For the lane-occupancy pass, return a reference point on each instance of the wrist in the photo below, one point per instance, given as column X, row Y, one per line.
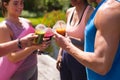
column 69, row 46
column 19, row 44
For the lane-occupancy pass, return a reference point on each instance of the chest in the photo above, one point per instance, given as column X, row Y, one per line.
column 16, row 30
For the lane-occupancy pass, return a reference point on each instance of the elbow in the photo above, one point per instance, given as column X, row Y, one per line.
column 13, row 60
column 103, row 70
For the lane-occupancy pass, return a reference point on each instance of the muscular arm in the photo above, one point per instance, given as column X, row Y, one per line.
column 107, row 36
column 106, row 41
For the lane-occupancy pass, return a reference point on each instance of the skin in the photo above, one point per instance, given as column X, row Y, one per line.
column 79, row 7
column 12, row 45
column 14, row 9
column 107, row 22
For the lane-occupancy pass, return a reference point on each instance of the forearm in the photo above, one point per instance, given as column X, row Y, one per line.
column 20, row 55
column 88, row 59
column 11, row 46
column 60, row 52
column 8, row 47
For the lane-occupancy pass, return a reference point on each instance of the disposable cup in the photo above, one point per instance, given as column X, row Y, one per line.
column 40, row 30
column 60, row 27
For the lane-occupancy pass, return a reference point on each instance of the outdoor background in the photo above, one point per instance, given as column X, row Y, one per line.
column 45, row 12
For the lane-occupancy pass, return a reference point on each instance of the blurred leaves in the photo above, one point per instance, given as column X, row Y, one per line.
column 46, row 5
column 49, row 19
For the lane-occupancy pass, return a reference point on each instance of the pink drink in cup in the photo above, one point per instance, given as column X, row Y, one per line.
column 48, row 33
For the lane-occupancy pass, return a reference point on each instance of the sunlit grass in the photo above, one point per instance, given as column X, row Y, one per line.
column 48, row 19
column 34, row 21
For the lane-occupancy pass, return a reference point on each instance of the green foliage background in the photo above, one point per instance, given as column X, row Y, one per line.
column 44, row 11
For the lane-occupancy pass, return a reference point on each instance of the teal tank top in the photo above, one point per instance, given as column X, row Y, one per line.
column 90, row 32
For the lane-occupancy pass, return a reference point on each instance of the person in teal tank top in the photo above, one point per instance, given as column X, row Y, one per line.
column 101, row 54
column 90, row 33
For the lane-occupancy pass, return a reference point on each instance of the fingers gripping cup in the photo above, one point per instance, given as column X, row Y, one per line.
column 60, row 27
column 40, row 30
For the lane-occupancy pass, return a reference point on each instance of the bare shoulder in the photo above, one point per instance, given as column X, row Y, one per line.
column 107, row 19
column 69, row 10
column 3, row 26
column 89, row 12
column 108, row 15
column 4, row 30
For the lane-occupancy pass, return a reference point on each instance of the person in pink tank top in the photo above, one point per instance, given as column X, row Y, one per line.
column 21, row 64
column 77, row 16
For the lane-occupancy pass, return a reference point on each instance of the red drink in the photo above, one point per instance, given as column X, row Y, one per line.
column 48, row 33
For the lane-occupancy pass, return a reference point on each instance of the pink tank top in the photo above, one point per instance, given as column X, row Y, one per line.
column 77, row 31
column 7, row 68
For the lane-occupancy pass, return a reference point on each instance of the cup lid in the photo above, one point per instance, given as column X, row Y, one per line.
column 40, row 27
column 59, row 24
